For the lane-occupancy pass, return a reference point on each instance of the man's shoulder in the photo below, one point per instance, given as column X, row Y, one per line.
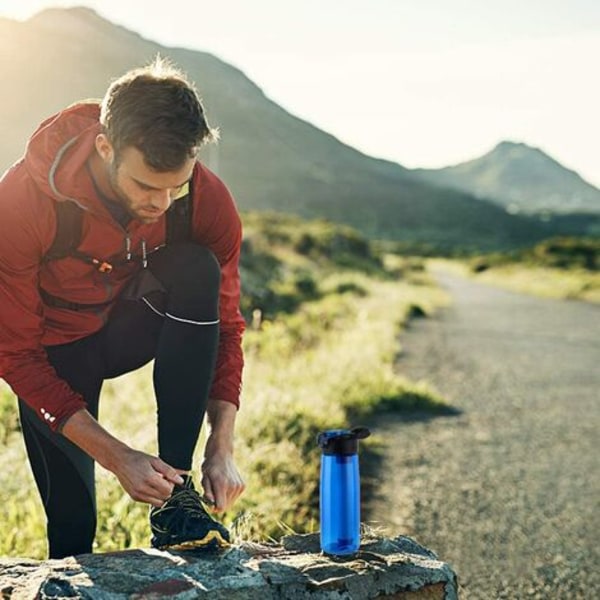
column 207, row 181
column 17, row 187
column 27, row 216
column 215, row 213
column 211, row 194
column 52, row 133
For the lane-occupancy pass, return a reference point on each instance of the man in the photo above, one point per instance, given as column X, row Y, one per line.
column 119, row 298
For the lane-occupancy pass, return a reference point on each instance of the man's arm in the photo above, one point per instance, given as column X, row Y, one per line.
column 144, row 477
column 221, row 480
column 217, row 225
column 27, row 225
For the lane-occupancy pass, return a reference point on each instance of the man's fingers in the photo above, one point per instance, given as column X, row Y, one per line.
column 161, row 479
column 229, row 495
column 156, row 502
column 149, row 494
column 167, row 471
column 223, row 493
column 147, row 478
column 208, row 491
column 235, row 491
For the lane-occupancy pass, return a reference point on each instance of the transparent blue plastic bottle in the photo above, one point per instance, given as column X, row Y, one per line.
column 340, row 490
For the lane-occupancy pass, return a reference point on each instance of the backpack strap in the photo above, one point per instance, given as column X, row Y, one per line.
column 69, row 220
column 179, row 216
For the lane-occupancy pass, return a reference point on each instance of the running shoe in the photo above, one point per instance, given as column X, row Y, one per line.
column 182, row 522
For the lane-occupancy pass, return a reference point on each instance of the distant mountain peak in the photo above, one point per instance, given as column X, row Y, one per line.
column 53, row 12
column 509, row 145
column 509, row 151
column 79, row 21
column 511, row 148
column 522, row 178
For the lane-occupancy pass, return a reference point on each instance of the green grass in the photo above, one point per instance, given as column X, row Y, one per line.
column 328, row 363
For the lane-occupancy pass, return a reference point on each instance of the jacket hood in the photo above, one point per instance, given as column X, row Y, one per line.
column 58, row 150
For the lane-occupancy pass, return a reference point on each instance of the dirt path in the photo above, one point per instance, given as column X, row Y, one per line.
column 508, row 491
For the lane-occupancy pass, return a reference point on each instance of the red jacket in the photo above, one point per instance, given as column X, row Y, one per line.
column 53, row 170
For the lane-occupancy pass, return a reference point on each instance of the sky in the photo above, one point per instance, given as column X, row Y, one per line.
column 426, row 83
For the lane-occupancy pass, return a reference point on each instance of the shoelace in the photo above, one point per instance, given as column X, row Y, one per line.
column 191, row 500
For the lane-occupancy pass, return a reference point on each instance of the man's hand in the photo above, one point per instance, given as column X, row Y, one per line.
column 145, row 478
column 221, row 480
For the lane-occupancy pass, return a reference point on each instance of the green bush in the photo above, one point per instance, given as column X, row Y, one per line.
column 567, row 253
column 281, row 255
column 9, row 416
column 559, row 253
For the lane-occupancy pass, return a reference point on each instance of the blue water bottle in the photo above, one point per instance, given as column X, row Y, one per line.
column 340, row 490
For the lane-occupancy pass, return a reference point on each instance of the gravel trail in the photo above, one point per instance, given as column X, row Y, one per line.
column 508, row 491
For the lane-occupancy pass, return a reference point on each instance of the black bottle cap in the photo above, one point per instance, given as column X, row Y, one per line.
column 342, row 441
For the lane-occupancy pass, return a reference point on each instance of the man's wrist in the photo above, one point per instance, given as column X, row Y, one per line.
column 85, row 431
column 221, row 420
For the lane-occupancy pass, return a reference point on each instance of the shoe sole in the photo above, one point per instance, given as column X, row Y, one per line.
column 212, row 541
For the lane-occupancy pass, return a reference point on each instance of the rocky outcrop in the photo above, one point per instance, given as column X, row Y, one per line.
column 295, row 569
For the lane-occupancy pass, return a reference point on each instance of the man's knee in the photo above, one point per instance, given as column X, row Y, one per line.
column 185, row 263
column 191, row 275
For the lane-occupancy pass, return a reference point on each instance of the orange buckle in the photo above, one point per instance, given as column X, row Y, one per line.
column 103, row 266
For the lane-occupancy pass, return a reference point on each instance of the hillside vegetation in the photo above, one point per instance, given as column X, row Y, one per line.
column 324, row 311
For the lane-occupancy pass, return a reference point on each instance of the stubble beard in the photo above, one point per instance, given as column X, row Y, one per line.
column 124, row 199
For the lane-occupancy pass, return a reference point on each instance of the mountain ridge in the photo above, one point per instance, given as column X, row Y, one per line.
column 271, row 159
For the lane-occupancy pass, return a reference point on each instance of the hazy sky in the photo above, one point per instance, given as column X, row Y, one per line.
column 426, row 83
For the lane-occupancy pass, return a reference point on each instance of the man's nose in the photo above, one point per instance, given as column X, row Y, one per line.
column 162, row 199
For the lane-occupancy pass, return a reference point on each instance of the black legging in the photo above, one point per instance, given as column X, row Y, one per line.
column 178, row 327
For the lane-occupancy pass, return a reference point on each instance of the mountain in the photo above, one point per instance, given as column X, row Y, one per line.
column 521, row 179
column 270, row 159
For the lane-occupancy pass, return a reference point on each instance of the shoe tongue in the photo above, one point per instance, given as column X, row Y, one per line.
column 187, row 482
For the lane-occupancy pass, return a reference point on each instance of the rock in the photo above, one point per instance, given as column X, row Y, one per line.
column 295, row 569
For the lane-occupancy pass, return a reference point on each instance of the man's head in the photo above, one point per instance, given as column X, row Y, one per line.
column 153, row 124
column 156, row 110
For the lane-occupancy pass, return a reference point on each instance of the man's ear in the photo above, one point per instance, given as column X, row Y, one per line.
column 104, row 148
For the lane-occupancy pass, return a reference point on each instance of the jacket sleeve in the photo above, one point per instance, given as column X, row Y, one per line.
column 27, row 226
column 217, row 225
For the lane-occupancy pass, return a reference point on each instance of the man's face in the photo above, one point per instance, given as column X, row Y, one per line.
column 145, row 193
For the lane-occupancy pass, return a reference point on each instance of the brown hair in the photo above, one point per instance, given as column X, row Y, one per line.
column 158, row 111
